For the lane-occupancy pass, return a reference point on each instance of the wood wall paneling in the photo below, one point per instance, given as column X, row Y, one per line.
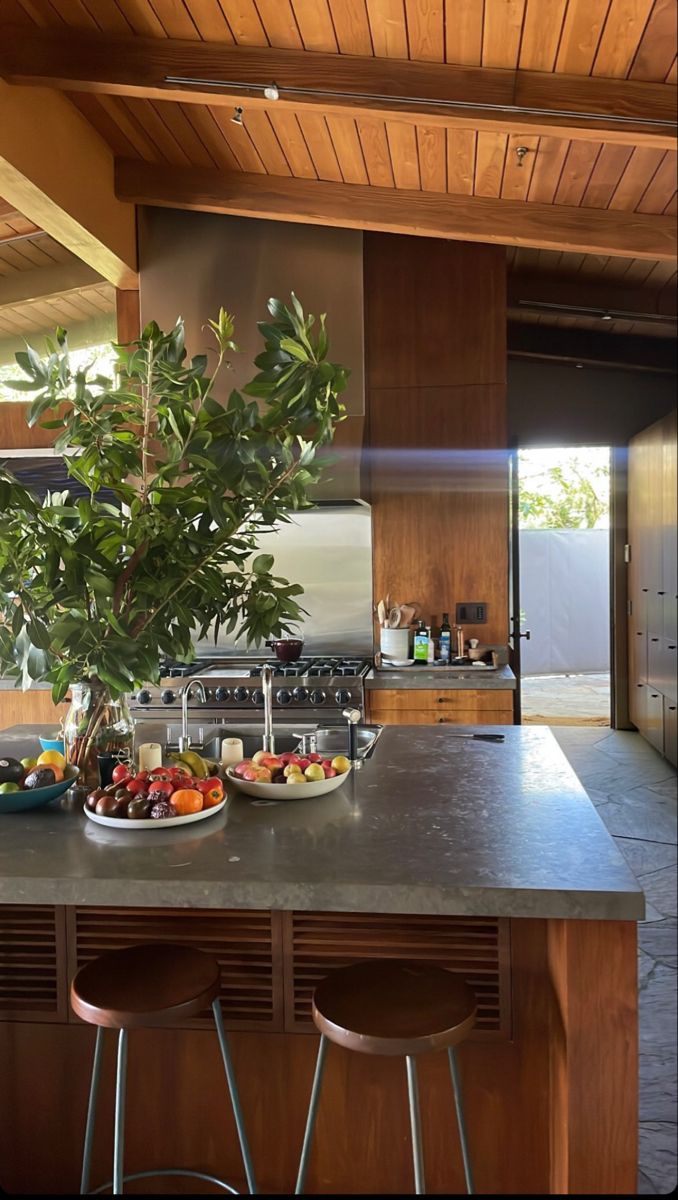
column 33, row 707
column 435, row 368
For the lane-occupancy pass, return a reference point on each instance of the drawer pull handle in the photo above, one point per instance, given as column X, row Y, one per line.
column 661, row 593
column 654, row 639
column 639, row 633
column 655, row 695
column 672, row 708
column 442, row 720
column 672, row 647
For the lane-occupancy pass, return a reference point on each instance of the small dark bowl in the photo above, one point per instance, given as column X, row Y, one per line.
column 287, row 649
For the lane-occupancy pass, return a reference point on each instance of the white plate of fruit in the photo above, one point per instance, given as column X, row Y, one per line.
column 289, row 776
column 162, row 798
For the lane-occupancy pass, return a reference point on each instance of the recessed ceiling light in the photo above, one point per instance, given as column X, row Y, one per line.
column 579, row 366
column 271, row 92
column 606, row 317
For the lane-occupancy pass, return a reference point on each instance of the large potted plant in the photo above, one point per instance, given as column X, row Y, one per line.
column 95, row 590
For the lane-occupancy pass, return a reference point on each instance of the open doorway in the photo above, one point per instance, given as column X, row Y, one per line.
column 564, row 538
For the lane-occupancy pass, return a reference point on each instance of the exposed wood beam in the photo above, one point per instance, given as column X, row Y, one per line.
column 46, row 281
column 58, row 172
column 591, row 348
column 391, row 210
column 127, row 315
column 587, row 292
column 607, row 110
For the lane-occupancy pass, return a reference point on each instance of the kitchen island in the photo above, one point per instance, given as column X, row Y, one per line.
column 486, row 858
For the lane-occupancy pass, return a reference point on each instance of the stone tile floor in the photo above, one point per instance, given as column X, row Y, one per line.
column 566, row 699
column 634, row 790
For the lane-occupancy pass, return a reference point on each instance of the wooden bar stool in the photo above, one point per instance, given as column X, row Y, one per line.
column 147, row 987
column 394, row 1008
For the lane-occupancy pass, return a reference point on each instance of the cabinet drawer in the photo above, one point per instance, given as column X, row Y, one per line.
column 458, row 700
column 654, row 725
column 670, row 622
column 662, row 664
column 435, row 716
column 638, row 705
column 671, row 730
column 637, row 653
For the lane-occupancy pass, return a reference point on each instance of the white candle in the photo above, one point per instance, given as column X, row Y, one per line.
column 150, row 756
column 231, row 752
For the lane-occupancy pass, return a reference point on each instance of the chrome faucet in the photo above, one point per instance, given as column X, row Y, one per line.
column 184, row 740
column 267, row 689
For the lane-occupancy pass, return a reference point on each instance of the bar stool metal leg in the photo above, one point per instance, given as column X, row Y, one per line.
column 92, row 1110
column 235, row 1099
column 454, row 1072
column 310, row 1120
column 119, row 1127
column 415, row 1126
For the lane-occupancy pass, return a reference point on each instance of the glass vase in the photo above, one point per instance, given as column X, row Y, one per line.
column 96, row 724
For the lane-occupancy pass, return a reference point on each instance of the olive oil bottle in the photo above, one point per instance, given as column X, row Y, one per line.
column 445, row 639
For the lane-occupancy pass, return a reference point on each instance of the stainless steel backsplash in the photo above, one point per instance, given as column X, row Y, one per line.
column 329, row 552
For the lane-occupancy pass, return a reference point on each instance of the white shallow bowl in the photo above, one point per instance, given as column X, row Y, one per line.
column 396, row 662
column 286, row 791
column 153, row 823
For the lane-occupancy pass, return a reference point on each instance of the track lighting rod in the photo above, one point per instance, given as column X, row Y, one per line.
column 409, row 101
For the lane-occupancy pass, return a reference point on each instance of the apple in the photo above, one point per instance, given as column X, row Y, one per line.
column 286, row 757
column 329, row 772
column 341, row 764
column 314, row 772
column 296, row 778
column 259, row 756
column 291, row 769
column 304, row 763
column 293, row 760
column 241, row 767
column 271, row 761
column 257, row 774
column 314, row 758
column 263, row 775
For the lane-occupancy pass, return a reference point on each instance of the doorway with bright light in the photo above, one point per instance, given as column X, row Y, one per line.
column 563, row 515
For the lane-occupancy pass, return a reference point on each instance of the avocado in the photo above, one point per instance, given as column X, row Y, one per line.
column 11, row 770
column 39, row 778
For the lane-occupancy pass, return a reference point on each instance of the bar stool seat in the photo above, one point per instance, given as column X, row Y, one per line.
column 396, row 1008
column 142, row 987
column 145, row 986
column 400, row 1009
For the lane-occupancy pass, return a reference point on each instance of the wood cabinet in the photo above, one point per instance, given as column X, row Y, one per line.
column 404, row 706
column 653, row 583
column 34, row 707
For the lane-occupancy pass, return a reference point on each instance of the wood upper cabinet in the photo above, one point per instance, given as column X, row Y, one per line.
column 404, row 706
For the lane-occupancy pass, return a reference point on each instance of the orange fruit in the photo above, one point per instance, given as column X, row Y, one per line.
column 213, row 797
column 185, row 801
column 52, row 758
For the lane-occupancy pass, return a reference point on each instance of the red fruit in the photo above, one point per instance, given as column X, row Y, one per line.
column 241, row 767
column 121, row 773
column 161, row 787
column 303, row 763
column 208, row 785
column 286, row 757
column 329, row 772
column 136, row 785
column 142, row 776
column 293, row 758
column 161, row 773
column 326, row 762
column 315, row 758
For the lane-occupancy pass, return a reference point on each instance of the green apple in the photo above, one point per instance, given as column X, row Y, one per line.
column 9, row 787
column 314, row 773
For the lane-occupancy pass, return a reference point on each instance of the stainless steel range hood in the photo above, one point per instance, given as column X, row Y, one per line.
column 191, row 264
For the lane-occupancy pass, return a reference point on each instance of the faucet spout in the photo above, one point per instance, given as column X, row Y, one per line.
column 267, row 688
column 198, row 685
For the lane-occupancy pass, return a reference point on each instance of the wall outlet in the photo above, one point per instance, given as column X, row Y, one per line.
column 474, row 613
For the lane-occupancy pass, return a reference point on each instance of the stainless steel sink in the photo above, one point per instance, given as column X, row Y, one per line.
column 327, row 740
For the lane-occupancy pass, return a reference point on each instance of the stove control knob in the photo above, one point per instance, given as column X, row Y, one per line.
column 240, row 694
column 318, row 697
column 222, row 694
column 144, row 696
column 168, row 696
column 283, row 696
column 257, row 696
column 343, row 696
column 300, row 695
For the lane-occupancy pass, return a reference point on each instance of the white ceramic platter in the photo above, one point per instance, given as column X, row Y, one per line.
column 151, row 822
column 397, row 662
column 286, row 791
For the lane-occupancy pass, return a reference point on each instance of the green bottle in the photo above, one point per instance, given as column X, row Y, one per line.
column 421, row 643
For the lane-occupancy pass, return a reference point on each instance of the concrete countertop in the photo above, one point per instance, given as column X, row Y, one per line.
column 432, row 824
column 438, row 679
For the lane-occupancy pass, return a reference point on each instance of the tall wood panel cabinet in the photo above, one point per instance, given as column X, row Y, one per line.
column 653, row 585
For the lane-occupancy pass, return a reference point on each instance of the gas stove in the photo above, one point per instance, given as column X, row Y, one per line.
column 304, row 688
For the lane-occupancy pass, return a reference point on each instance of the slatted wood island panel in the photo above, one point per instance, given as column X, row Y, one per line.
column 514, row 1068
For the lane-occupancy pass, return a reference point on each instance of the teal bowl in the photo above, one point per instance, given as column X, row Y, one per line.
column 14, row 802
column 52, row 744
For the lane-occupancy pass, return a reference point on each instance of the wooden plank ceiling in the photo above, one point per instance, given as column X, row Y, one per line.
column 85, row 304
column 631, row 40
